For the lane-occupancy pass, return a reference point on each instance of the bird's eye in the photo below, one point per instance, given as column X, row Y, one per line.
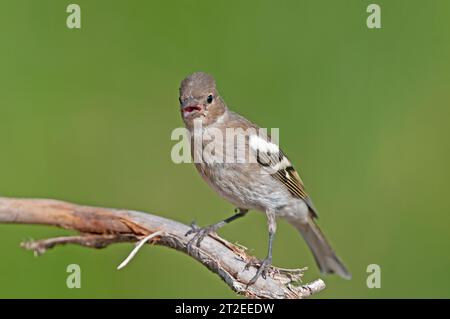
column 209, row 99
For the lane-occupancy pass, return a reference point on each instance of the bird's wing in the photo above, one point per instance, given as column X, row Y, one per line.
column 273, row 160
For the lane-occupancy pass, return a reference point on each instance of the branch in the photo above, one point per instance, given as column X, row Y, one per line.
column 100, row 227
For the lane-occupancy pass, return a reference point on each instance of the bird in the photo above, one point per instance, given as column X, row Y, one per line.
column 257, row 176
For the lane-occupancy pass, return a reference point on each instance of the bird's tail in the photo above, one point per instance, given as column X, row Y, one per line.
column 324, row 255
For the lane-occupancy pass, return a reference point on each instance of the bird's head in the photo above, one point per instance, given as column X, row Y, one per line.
column 199, row 99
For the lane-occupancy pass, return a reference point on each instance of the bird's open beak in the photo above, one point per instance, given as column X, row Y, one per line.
column 191, row 106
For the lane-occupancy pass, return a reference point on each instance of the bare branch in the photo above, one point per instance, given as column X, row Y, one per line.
column 136, row 249
column 100, row 227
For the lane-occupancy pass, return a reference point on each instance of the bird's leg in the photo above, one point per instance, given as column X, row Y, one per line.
column 264, row 265
column 201, row 233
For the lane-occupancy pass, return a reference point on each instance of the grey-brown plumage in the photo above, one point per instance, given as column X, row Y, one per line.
column 260, row 178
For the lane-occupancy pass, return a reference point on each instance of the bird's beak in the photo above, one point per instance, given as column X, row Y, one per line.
column 191, row 106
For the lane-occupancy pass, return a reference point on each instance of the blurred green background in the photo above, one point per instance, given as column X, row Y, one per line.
column 86, row 116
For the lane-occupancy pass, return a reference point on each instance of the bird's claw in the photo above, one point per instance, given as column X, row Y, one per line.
column 252, row 262
column 263, row 268
column 200, row 234
column 194, row 228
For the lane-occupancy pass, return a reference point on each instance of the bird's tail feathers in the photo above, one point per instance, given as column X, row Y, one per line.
column 324, row 255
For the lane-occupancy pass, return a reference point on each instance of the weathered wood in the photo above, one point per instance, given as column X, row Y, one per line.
column 100, row 227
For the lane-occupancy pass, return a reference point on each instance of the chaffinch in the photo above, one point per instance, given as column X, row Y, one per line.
column 252, row 175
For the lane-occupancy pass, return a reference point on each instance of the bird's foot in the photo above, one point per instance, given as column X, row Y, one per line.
column 200, row 234
column 263, row 268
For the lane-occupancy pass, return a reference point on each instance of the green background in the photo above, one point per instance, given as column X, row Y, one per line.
column 86, row 116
